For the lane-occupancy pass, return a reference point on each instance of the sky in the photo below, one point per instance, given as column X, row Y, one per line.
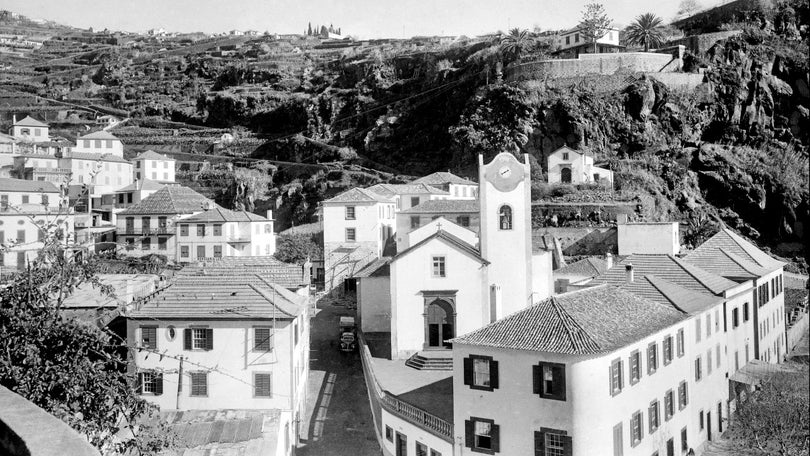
column 360, row 18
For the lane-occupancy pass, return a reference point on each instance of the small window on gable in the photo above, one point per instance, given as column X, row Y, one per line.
column 565, row 155
column 505, row 217
column 439, row 266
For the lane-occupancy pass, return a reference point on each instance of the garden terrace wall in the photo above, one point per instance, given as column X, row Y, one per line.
column 602, row 64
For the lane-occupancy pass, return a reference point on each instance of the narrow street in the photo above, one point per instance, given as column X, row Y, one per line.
column 338, row 418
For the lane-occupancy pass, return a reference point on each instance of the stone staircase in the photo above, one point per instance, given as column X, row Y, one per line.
column 431, row 360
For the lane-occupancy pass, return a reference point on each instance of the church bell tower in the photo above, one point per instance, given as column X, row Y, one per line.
column 506, row 232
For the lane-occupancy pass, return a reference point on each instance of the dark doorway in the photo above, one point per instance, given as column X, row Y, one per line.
column 719, row 417
column 439, row 320
column 402, row 445
column 565, row 175
column 709, row 426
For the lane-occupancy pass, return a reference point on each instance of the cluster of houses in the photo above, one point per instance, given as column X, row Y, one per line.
column 101, row 200
column 460, row 313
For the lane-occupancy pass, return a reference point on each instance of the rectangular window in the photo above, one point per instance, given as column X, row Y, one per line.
column 20, row 236
column 149, row 337
column 217, row 251
column 667, row 350
column 652, row 358
column 698, row 369
column 669, row 405
column 183, row 230
column 745, row 312
column 616, row 380
column 697, row 329
column 263, row 384
column 636, row 429
column 146, row 243
column 551, row 442
column 463, row 220
column 549, row 380
column 218, row 229
column 709, row 362
column 414, row 201
column 162, row 243
column 684, row 444
column 481, row 372
column 717, row 320
column 350, row 213
column 482, row 434
column 262, row 339
column 200, row 252
column 439, row 266
column 701, row 423
column 151, row 383
column 184, row 251
column 718, row 355
column 683, row 395
column 389, row 433
column 635, row 367
column 414, row 222
column 351, row 235
column 708, row 325
column 680, row 343
column 199, row 383
column 654, row 416
column 199, row 338
column 200, row 230
column 735, row 318
column 421, row 449
column 25, row 199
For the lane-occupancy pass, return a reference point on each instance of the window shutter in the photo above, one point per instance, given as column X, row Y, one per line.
column 468, row 371
column 621, row 374
column 537, row 379
column 610, row 379
column 496, row 438
column 187, row 339
column 493, row 374
column 559, row 382
column 539, row 443
column 158, row 384
column 139, row 387
column 568, row 448
column 469, row 437
column 209, row 338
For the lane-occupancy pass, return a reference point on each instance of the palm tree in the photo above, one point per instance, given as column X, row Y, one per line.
column 646, row 31
column 516, row 42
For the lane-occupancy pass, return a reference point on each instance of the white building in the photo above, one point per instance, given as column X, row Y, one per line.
column 29, row 129
column 573, row 42
column 649, row 237
column 154, row 166
column 100, row 142
column 105, row 172
column 124, row 197
column 457, row 187
column 30, row 211
column 464, row 213
column 568, row 166
column 218, row 232
column 244, row 346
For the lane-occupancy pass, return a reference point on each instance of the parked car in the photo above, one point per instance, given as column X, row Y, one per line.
column 348, row 334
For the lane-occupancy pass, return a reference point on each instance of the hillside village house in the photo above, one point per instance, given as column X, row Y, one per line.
column 154, row 166
column 26, row 209
column 568, row 166
column 457, row 187
column 572, row 42
column 29, row 129
column 100, row 142
column 236, row 342
column 39, row 167
column 124, row 197
column 218, row 232
column 106, row 172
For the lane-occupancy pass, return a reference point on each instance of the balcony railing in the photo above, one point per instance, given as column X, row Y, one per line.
column 432, row 423
column 156, row 231
column 237, row 238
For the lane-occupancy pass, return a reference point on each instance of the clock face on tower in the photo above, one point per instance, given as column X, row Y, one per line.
column 505, row 172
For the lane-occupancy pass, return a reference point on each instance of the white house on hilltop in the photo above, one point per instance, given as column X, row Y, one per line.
column 568, row 166
column 154, row 166
column 100, row 142
column 30, row 129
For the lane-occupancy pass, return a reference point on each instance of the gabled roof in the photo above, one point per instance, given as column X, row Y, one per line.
column 101, row 134
column 670, row 269
column 589, row 267
column 141, row 184
column 216, row 297
column 446, row 206
column 377, row 268
column 588, row 321
column 730, row 255
column 8, row 184
column 443, row 177
column 667, row 293
column 358, row 195
column 220, row 214
column 587, row 153
column 171, row 199
column 95, row 157
column 267, row 268
column 389, row 190
column 450, row 240
column 29, row 121
column 152, row 155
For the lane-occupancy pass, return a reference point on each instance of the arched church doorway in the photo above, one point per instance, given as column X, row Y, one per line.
column 565, row 175
column 439, row 324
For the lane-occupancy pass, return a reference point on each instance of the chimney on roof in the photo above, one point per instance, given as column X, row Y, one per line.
column 609, row 260
column 269, row 214
column 628, row 271
column 562, row 285
column 13, row 119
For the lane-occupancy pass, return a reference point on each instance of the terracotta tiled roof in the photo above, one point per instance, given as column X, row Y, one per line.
column 450, row 240
column 142, row 184
column 358, row 195
column 443, row 177
column 170, row 199
column 670, row 269
column 444, row 207
column 94, row 157
column 214, row 297
column 29, row 121
column 8, row 184
column 152, row 155
column 589, row 267
column 661, row 291
column 265, row 267
column 101, row 134
column 593, row 320
column 220, row 214
column 730, row 255
column 389, row 190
